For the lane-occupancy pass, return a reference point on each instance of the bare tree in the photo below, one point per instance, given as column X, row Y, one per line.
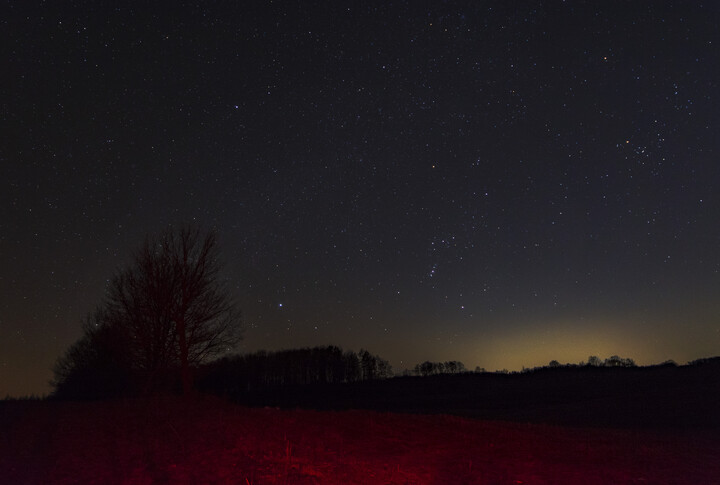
column 172, row 305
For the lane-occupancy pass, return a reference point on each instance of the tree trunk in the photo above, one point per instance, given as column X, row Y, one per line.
column 184, row 364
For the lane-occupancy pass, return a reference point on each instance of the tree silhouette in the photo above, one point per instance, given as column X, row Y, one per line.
column 166, row 310
column 242, row 375
column 615, row 361
column 424, row 369
column 172, row 304
column 373, row 367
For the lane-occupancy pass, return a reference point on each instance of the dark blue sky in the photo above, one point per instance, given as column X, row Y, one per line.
column 493, row 182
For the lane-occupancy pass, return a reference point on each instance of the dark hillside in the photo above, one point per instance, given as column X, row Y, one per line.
column 658, row 396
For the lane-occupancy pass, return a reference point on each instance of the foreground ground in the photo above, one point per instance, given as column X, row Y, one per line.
column 166, row 440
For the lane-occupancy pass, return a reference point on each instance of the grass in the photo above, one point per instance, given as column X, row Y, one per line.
column 206, row 440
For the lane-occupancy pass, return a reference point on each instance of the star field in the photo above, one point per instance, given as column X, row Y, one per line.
column 501, row 184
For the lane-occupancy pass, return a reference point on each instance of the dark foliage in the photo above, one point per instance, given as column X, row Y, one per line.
column 706, row 361
column 243, row 375
column 97, row 366
column 428, row 368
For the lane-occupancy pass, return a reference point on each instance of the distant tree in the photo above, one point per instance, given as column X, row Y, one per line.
column 425, row 369
column 554, row 363
column 384, row 369
column 594, row 361
column 334, row 363
column 373, row 367
column 453, row 367
column 367, row 365
column 615, row 361
column 352, row 367
column 428, row 368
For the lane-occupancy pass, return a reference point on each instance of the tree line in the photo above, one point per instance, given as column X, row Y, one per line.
column 259, row 371
column 428, row 368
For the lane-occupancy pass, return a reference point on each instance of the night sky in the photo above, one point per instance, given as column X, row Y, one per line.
column 501, row 183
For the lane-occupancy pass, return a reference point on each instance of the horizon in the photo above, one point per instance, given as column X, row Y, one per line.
column 400, row 372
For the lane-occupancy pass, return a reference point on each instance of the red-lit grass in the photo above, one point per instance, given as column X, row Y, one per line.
column 209, row 441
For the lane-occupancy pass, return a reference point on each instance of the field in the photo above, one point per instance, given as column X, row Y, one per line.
column 208, row 440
